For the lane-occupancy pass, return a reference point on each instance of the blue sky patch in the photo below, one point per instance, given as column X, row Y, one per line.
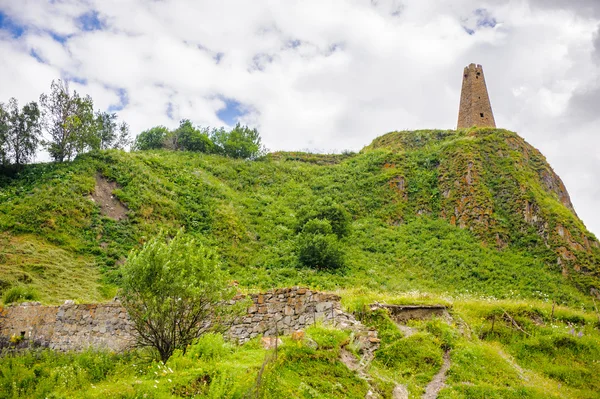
column 90, row 21
column 479, row 19
column 7, row 24
column 35, row 55
column 485, row 19
column 170, row 110
column 62, row 39
column 231, row 113
column 123, row 101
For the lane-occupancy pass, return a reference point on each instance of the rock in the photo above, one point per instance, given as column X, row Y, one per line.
column 311, row 343
column 400, row 392
column 298, row 335
column 270, row 342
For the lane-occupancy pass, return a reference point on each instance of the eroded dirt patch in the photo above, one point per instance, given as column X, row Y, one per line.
column 110, row 206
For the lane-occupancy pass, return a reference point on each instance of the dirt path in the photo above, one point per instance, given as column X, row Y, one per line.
column 439, row 380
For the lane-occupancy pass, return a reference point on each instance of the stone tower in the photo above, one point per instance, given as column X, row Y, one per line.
column 475, row 107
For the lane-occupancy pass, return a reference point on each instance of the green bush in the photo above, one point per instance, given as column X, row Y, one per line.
column 326, row 209
column 320, row 251
column 19, row 294
column 170, row 289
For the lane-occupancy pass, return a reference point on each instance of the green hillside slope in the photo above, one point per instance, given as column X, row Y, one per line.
column 472, row 211
column 474, row 219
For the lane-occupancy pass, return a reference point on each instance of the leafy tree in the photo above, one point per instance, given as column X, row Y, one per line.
column 20, row 132
column 172, row 291
column 318, row 248
column 241, row 142
column 151, row 139
column 109, row 133
column 69, row 121
column 326, row 209
column 4, row 127
column 190, row 138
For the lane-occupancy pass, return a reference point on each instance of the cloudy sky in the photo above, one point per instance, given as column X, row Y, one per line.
column 324, row 75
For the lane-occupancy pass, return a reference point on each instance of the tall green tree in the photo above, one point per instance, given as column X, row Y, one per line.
column 4, row 126
column 172, row 291
column 191, row 138
column 240, row 142
column 20, row 131
column 110, row 133
column 151, row 139
column 69, row 120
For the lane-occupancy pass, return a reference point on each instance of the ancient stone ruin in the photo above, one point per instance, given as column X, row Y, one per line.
column 107, row 326
column 475, row 107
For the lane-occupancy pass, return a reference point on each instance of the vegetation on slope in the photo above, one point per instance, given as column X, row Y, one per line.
column 408, row 196
column 475, row 219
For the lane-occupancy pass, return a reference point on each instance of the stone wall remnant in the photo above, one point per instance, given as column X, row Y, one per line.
column 107, row 326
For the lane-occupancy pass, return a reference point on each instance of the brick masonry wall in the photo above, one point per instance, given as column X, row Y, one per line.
column 107, row 326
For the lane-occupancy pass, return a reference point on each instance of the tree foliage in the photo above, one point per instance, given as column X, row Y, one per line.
column 20, row 132
column 191, row 138
column 172, row 291
column 69, row 121
column 151, row 139
column 240, row 142
column 109, row 133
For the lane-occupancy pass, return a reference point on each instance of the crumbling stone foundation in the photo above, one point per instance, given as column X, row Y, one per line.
column 107, row 326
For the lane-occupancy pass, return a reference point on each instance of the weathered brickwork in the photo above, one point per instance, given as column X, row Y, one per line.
column 475, row 107
column 107, row 326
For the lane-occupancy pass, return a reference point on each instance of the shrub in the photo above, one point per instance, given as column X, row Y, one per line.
column 320, row 251
column 19, row 294
column 171, row 290
column 326, row 209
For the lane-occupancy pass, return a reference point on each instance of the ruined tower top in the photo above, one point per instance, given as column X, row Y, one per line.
column 475, row 107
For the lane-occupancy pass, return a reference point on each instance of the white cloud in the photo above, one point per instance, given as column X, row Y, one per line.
column 328, row 75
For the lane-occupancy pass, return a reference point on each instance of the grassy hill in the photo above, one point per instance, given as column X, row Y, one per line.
column 475, row 219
